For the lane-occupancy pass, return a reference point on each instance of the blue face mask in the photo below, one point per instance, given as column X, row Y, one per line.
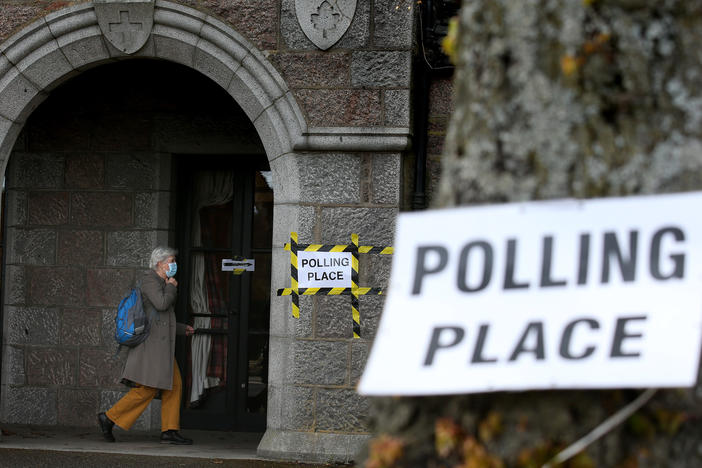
column 172, row 269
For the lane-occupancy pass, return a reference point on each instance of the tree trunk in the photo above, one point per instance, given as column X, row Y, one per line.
column 562, row 98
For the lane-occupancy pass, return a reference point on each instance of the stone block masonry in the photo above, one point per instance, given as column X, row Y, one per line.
column 342, row 107
column 75, row 406
column 74, row 250
column 258, row 20
column 342, row 194
column 363, row 80
column 15, row 15
column 89, row 192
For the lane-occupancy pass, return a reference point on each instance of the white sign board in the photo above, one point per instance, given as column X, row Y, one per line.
column 246, row 264
column 564, row 294
column 323, row 269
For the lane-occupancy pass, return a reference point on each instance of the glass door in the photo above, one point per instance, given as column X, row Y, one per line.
column 225, row 213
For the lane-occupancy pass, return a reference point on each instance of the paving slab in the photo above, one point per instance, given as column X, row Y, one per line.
column 25, row 445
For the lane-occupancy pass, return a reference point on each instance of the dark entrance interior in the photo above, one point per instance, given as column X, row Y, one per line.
column 225, row 213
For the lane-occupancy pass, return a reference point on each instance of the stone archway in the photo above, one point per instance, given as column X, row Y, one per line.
column 64, row 43
column 326, row 179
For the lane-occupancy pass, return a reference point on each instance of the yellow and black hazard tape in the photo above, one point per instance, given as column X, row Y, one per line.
column 331, row 291
column 355, row 306
column 354, row 291
column 293, row 275
column 364, row 249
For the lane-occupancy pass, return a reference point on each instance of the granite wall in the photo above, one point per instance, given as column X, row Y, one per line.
column 362, row 81
column 341, row 175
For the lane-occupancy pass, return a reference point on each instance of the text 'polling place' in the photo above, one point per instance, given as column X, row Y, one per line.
column 563, row 294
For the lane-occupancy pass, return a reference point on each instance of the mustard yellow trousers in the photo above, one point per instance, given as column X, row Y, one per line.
column 126, row 411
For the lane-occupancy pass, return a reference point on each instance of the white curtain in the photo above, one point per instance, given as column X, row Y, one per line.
column 212, row 189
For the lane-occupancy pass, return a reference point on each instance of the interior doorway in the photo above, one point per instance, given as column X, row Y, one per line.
column 225, row 211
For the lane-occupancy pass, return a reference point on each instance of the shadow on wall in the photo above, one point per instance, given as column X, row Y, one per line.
column 142, row 105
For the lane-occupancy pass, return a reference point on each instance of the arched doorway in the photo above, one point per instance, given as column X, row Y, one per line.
column 35, row 63
column 105, row 169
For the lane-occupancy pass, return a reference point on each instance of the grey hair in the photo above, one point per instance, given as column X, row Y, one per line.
column 159, row 254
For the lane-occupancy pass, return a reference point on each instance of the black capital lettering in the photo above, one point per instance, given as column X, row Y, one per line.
column 435, row 343
column 463, row 266
column 537, row 349
column 583, row 266
column 479, row 345
column 510, row 282
column 421, row 270
column 546, row 262
column 565, row 350
column 620, row 334
column 626, row 266
column 678, row 259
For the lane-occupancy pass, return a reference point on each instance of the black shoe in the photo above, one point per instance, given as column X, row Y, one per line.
column 106, row 427
column 172, row 437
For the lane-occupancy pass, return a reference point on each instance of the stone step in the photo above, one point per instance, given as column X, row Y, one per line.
column 17, row 458
column 28, row 445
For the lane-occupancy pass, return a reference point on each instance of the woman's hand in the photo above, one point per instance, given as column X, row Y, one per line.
column 189, row 330
column 172, row 281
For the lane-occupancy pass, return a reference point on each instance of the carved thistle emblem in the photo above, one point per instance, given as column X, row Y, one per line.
column 126, row 24
column 325, row 21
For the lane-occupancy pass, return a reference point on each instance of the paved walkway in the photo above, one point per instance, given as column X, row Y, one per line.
column 66, row 446
column 208, row 444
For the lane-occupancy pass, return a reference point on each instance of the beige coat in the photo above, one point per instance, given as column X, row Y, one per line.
column 151, row 362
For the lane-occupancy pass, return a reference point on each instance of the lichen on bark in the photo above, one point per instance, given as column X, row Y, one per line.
column 625, row 118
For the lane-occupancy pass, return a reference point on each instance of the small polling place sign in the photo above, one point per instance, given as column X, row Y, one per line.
column 563, row 294
column 236, row 264
column 324, row 269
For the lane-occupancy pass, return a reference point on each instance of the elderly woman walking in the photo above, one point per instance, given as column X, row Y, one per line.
column 151, row 365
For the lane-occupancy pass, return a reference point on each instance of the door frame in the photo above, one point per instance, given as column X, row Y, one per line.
column 236, row 417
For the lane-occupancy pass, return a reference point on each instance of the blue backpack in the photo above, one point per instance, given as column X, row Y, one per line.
column 132, row 325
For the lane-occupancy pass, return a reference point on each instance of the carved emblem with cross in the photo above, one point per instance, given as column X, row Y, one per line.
column 324, row 22
column 325, row 18
column 125, row 24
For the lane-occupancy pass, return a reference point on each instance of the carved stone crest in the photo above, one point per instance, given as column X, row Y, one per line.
column 325, row 21
column 126, row 24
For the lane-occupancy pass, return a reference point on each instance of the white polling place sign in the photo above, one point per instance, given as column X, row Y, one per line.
column 324, row 269
column 564, row 294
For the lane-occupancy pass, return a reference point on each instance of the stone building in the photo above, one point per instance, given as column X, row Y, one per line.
column 217, row 127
